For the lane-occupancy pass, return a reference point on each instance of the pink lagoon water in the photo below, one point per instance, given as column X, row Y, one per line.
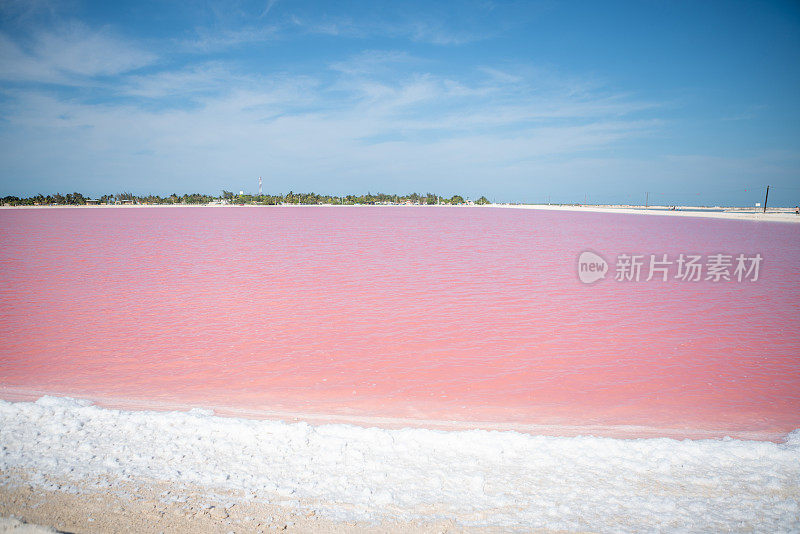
column 453, row 314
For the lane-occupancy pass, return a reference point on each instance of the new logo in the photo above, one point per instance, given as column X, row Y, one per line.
column 591, row 267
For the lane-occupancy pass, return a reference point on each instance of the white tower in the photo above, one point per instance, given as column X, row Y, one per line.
column 259, row 186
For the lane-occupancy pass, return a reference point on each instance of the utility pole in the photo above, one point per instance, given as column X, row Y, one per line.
column 765, row 200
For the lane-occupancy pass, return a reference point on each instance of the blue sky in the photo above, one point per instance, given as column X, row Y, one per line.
column 694, row 102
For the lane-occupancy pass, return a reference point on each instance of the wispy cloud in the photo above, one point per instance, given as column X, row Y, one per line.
column 355, row 121
column 268, row 7
column 413, row 30
column 439, row 34
column 231, row 26
column 373, row 62
column 68, row 54
column 24, row 11
column 208, row 40
column 188, row 83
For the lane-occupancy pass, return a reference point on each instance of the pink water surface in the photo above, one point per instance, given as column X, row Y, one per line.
column 460, row 314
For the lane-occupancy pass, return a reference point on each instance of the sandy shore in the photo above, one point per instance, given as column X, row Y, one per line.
column 9, row 525
column 110, row 505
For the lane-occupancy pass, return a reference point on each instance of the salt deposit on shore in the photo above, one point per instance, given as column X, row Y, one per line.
column 743, row 214
column 343, row 473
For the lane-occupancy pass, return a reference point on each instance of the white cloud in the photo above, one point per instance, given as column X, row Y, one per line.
column 377, row 115
column 234, row 26
column 308, row 130
column 17, row 65
column 401, row 26
column 231, row 138
column 77, row 50
column 186, row 83
column 69, row 55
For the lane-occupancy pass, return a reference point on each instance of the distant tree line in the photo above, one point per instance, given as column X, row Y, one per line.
column 77, row 199
column 74, row 199
column 228, row 197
